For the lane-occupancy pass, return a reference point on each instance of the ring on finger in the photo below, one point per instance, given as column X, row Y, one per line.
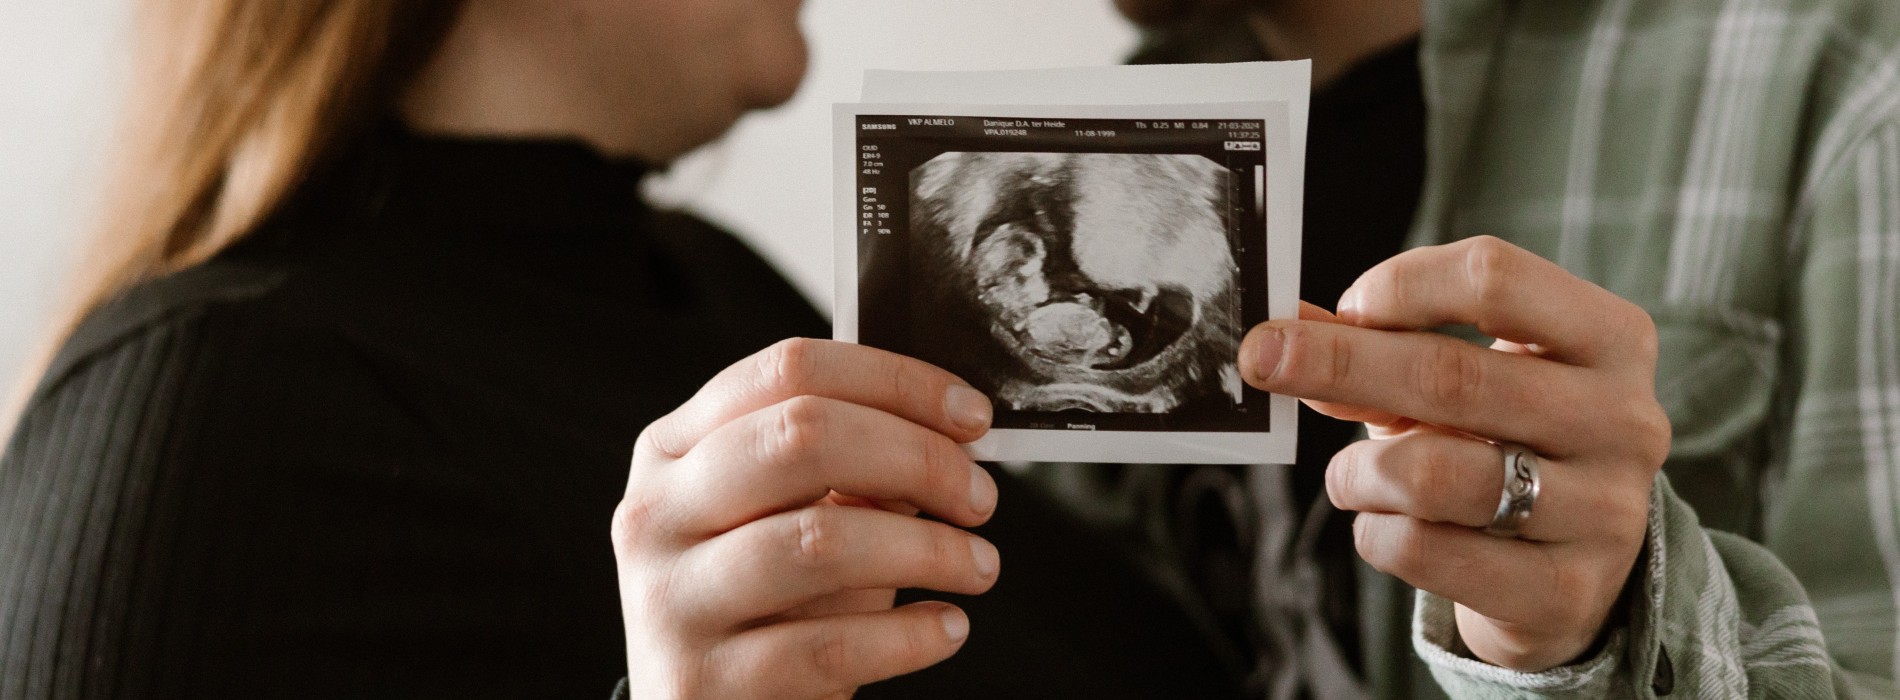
column 1521, row 486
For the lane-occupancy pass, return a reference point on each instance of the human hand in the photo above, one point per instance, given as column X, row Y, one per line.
column 768, row 521
column 1572, row 377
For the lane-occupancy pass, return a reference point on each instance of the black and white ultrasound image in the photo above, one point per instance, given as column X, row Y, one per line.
column 1079, row 290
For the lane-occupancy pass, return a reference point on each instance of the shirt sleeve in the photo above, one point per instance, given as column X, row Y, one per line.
column 172, row 519
column 81, row 528
column 1711, row 615
column 1812, row 609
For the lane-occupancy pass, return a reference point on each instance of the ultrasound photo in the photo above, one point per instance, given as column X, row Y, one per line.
column 1065, row 282
column 1091, row 269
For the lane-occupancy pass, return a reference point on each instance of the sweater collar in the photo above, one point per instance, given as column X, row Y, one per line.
column 395, row 178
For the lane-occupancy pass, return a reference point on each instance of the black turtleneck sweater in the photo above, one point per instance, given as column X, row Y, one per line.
column 373, row 450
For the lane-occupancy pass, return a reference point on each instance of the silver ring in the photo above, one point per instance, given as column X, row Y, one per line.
column 1521, row 486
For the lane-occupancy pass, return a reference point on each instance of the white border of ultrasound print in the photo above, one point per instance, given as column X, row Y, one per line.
column 1285, row 186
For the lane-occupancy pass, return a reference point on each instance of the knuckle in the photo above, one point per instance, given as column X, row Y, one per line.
column 897, row 376
column 1339, row 371
column 1656, row 435
column 940, row 470
column 649, row 442
column 818, row 533
column 943, row 557
column 631, row 519
column 1386, row 282
column 831, row 655
column 1451, row 374
column 799, row 430
column 1489, row 264
column 661, row 441
column 786, row 368
column 1644, row 335
column 1641, row 428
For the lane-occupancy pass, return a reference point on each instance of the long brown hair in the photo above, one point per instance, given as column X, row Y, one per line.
column 234, row 103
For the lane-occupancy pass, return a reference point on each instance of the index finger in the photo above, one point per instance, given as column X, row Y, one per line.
column 902, row 386
column 1431, row 378
column 1508, row 293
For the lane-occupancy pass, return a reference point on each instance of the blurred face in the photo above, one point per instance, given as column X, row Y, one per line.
column 1156, row 12
column 649, row 77
column 1147, row 12
column 706, row 62
column 725, row 55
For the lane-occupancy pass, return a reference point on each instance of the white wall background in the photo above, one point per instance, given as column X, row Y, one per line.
column 61, row 69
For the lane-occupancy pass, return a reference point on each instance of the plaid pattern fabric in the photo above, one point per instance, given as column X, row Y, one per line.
column 1734, row 167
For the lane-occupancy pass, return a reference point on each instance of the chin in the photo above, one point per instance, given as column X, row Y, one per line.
column 1153, row 12
column 777, row 75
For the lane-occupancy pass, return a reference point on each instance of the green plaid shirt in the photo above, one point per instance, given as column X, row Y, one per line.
column 1734, row 167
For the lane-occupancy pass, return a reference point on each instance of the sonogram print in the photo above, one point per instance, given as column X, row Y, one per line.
column 1090, row 282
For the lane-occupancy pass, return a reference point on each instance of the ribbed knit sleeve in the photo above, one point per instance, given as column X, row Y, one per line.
column 227, row 497
column 87, row 531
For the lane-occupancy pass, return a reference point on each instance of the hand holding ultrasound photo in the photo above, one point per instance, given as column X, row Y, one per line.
column 1091, row 267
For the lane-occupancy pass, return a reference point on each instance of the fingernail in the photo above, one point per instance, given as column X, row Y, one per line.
column 1348, row 310
column 1264, row 352
column 967, row 407
column 982, row 491
column 955, row 625
column 985, row 555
